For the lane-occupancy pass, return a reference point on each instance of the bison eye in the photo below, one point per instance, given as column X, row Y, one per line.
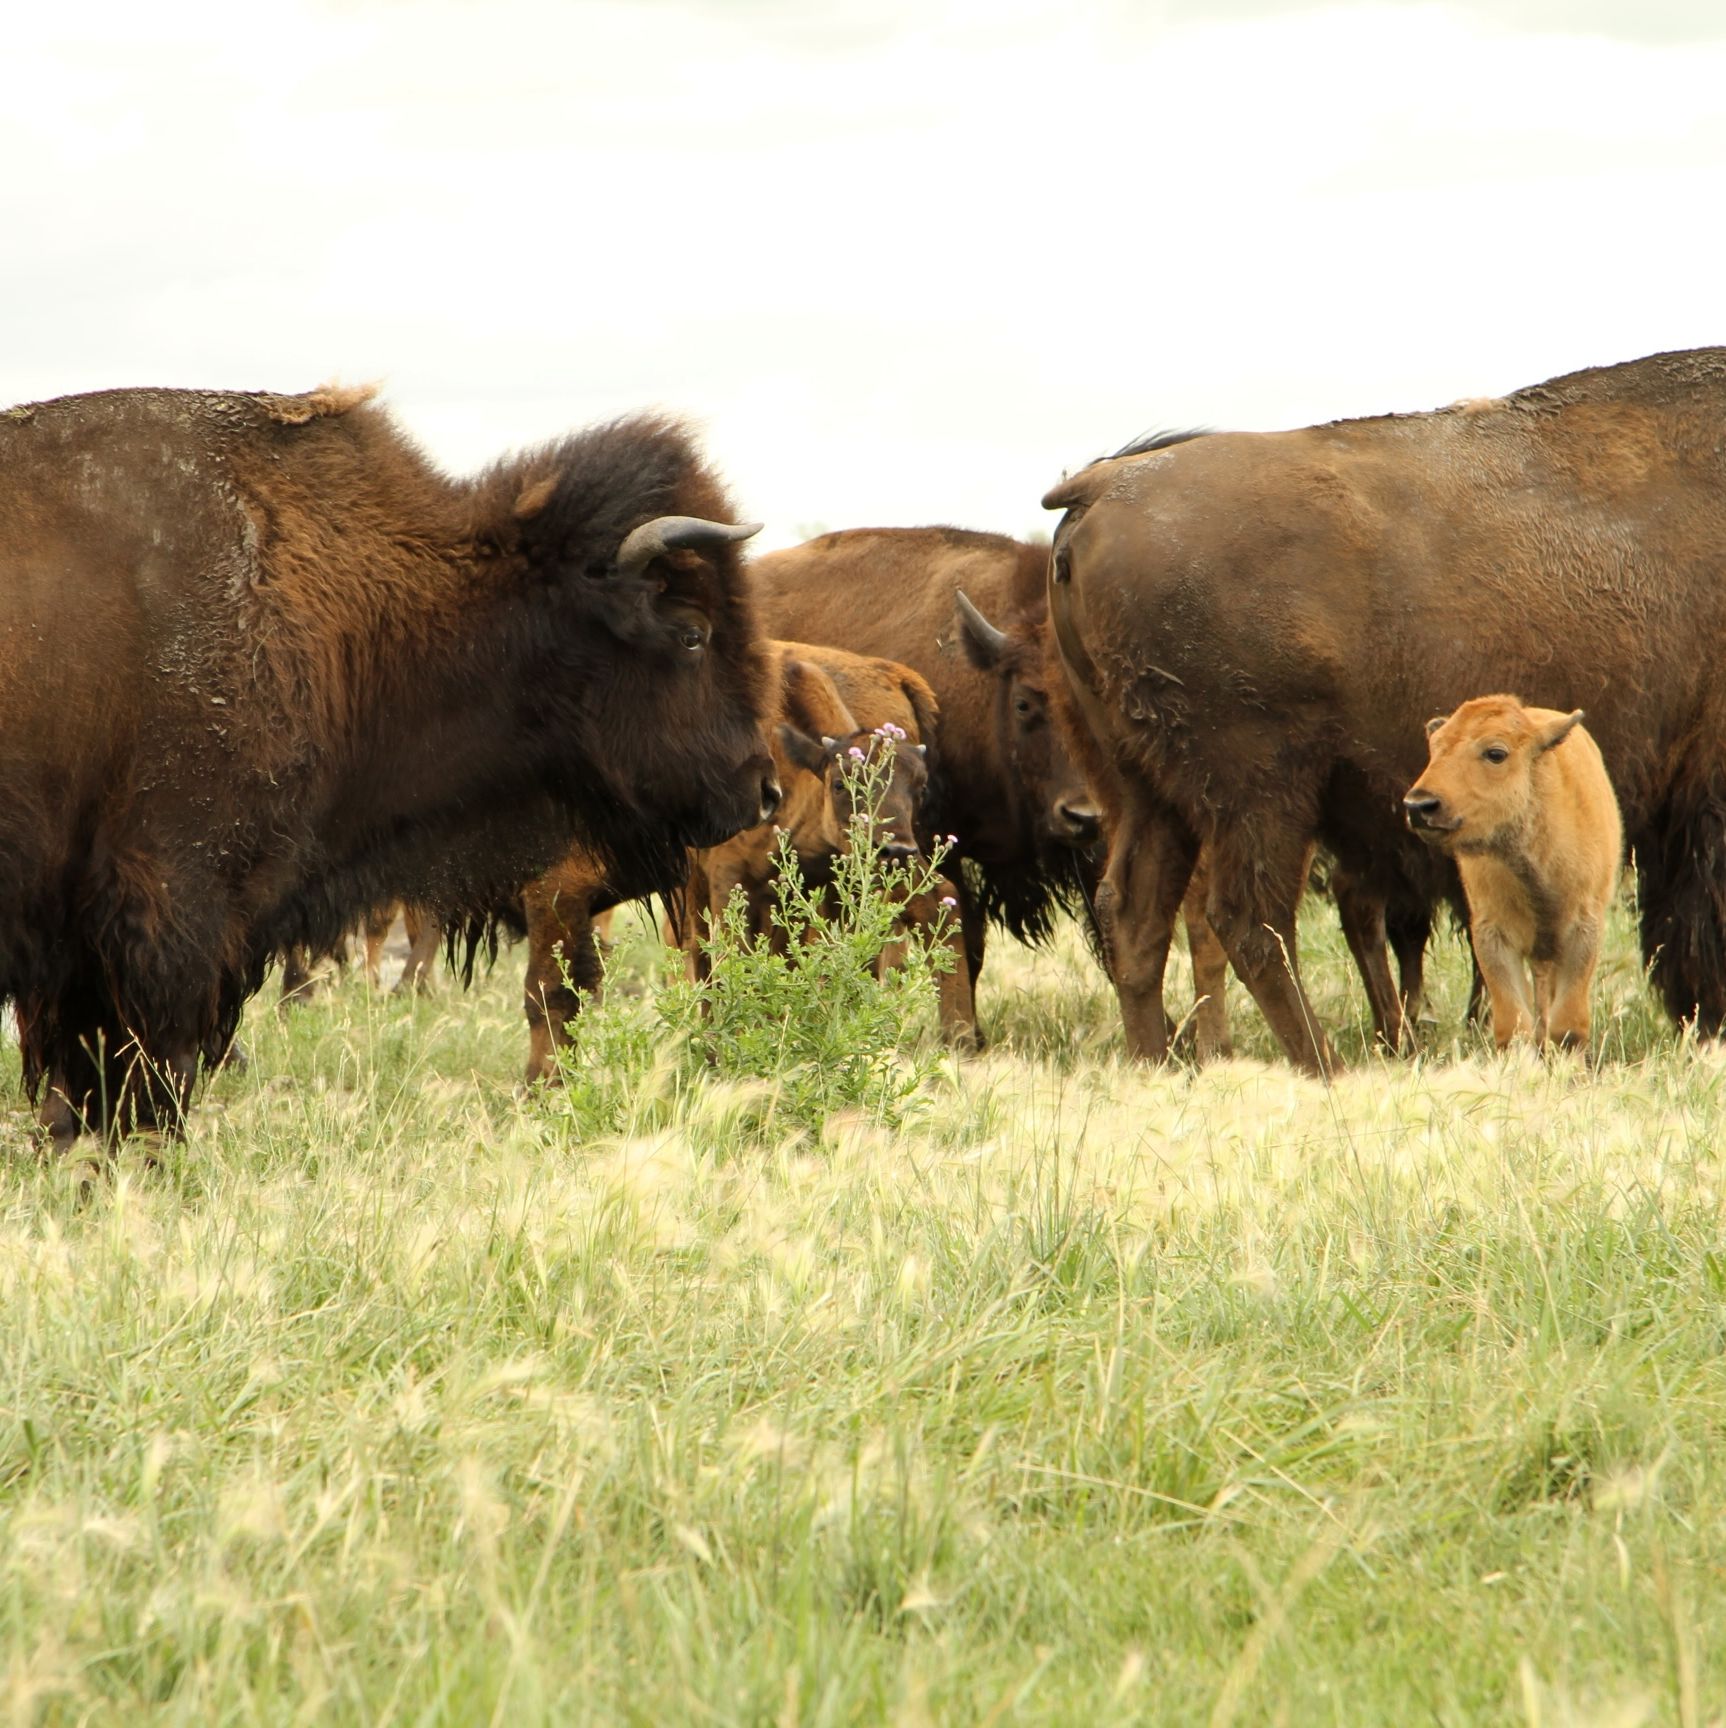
column 1022, row 706
column 1495, row 753
column 691, row 639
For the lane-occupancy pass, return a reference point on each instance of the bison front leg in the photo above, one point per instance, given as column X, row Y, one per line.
column 1408, row 926
column 57, row 1116
column 1566, row 1015
column 1501, row 965
column 1256, row 885
column 1151, row 854
column 377, row 933
column 562, row 967
column 1210, row 971
column 1362, row 916
column 932, row 915
column 973, row 926
column 298, row 983
column 423, row 932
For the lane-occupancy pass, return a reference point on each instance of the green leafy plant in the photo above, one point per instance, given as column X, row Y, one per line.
column 813, row 1010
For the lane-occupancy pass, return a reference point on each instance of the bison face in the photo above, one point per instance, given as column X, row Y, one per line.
column 898, row 769
column 895, row 770
column 1059, row 803
column 1477, row 794
column 652, row 679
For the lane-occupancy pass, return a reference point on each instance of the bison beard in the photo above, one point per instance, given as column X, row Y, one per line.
column 267, row 669
column 1254, row 629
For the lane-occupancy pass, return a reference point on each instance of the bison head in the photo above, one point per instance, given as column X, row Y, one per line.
column 648, row 681
column 1060, row 804
column 884, row 759
column 1478, row 791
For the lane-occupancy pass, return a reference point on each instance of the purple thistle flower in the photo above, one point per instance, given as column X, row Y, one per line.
column 855, row 753
column 948, row 900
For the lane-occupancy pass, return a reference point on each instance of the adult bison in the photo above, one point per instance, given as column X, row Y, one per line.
column 1255, row 627
column 1005, row 786
column 267, row 668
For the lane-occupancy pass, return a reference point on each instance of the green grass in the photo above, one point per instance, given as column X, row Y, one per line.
column 1084, row 1394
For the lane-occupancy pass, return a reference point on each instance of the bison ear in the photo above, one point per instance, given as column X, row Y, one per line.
column 534, row 497
column 802, row 751
column 921, row 749
column 1435, row 722
column 1556, row 731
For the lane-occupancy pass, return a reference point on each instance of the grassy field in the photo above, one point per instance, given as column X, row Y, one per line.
column 1084, row 1394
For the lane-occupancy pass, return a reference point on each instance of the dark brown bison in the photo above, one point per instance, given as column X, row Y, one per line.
column 1004, row 786
column 1368, row 923
column 267, row 668
column 1254, row 628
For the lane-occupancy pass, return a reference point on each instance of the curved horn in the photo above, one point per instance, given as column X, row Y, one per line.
column 666, row 533
column 979, row 626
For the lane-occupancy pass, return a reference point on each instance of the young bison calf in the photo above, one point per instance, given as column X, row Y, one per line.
column 1520, row 799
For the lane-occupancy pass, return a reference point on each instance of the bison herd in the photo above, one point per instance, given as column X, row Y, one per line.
column 269, row 671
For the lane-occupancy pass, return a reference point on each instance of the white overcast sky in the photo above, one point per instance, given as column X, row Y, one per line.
column 901, row 262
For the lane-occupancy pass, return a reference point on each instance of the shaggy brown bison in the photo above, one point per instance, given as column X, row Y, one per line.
column 1004, row 785
column 267, row 668
column 1253, row 625
column 1520, row 798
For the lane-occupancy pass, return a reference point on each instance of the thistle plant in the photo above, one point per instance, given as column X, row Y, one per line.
column 813, row 1011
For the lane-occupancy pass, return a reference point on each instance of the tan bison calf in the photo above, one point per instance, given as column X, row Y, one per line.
column 1519, row 797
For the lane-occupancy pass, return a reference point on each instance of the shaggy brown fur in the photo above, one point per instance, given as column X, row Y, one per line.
column 267, row 668
column 1246, row 621
column 1520, row 798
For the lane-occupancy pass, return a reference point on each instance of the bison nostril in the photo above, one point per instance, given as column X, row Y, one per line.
column 897, row 850
column 771, row 794
column 1080, row 821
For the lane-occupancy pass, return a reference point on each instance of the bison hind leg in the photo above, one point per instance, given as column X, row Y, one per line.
column 1681, row 886
column 1257, row 876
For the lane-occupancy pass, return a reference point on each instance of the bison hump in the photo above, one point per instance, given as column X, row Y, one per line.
column 325, row 402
